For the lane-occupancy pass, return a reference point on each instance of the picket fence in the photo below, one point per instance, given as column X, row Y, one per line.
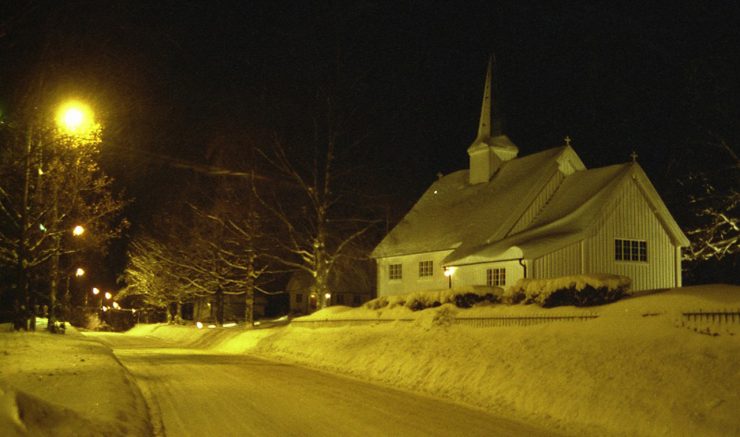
column 480, row 322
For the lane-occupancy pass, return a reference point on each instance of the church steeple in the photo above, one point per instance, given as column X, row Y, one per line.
column 484, row 125
column 490, row 147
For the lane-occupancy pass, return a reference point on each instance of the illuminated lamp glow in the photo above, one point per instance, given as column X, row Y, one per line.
column 108, row 295
column 75, row 118
column 449, row 271
column 78, row 230
column 199, row 325
column 96, row 291
column 79, row 272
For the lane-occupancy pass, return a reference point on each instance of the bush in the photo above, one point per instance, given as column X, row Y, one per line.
column 420, row 300
column 577, row 290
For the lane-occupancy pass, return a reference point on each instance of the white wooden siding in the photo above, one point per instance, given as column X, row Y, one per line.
column 566, row 261
column 475, row 274
column 539, row 202
column 410, row 280
column 630, row 217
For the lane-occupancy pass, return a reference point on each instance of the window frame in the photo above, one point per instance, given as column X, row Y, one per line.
column 395, row 268
column 496, row 277
column 426, row 269
column 631, row 250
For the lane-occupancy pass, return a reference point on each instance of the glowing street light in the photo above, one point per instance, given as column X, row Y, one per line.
column 75, row 118
column 78, row 230
column 108, row 296
column 80, row 272
column 96, row 291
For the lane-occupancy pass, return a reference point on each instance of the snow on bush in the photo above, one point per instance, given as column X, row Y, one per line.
column 460, row 297
column 577, row 290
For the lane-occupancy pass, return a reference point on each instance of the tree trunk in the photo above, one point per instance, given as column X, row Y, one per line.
column 219, row 306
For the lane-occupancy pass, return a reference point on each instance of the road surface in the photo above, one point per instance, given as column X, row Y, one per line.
column 191, row 392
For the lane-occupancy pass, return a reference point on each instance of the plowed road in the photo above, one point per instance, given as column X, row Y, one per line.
column 194, row 393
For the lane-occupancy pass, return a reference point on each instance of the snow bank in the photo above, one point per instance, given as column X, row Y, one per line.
column 65, row 385
column 640, row 368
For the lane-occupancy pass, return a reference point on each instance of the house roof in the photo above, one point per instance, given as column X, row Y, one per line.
column 452, row 212
column 475, row 221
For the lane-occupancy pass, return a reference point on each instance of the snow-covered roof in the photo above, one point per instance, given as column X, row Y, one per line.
column 476, row 221
column 452, row 212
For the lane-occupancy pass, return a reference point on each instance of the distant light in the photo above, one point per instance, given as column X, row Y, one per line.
column 449, row 271
column 42, row 227
column 79, row 272
column 78, row 230
column 198, row 325
column 105, row 308
column 435, row 191
column 96, row 291
column 327, row 295
column 108, row 295
column 116, row 306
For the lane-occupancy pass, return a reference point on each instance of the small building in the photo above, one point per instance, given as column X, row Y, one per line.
column 353, row 287
column 538, row 216
column 205, row 309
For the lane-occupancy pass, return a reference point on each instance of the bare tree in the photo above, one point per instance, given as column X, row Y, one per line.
column 316, row 200
column 50, row 183
column 717, row 209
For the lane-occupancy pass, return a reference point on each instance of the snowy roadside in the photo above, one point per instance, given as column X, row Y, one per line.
column 638, row 369
column 65, row 385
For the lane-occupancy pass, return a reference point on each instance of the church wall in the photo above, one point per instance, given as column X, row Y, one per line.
column 631, row 218
column 410, row 280
column 476, row 274
column 562, row 262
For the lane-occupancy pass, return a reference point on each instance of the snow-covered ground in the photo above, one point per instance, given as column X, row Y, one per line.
column 65, row 385
column 640, row 368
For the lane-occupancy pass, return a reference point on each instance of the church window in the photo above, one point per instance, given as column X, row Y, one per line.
column 630, row 250
column 395, row 271
column 496, row 277
column 426, row 269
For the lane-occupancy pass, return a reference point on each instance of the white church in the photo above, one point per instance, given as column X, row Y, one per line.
column 538, row 216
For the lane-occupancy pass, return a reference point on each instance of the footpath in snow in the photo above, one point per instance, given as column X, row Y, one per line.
column 639, row 368
column 65, row 385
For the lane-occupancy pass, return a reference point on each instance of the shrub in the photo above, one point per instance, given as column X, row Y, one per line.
column 577, row 290
column 461, row 298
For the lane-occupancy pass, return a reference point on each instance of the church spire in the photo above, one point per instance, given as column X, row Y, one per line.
column 484, row 126
column 491, row 148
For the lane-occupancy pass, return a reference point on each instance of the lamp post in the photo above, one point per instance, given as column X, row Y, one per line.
column 74, row 120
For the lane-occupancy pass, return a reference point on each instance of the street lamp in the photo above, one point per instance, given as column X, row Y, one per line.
column 77, row 126
column 76, row 119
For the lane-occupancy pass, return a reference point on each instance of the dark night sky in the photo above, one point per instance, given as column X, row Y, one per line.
column 175, row 78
